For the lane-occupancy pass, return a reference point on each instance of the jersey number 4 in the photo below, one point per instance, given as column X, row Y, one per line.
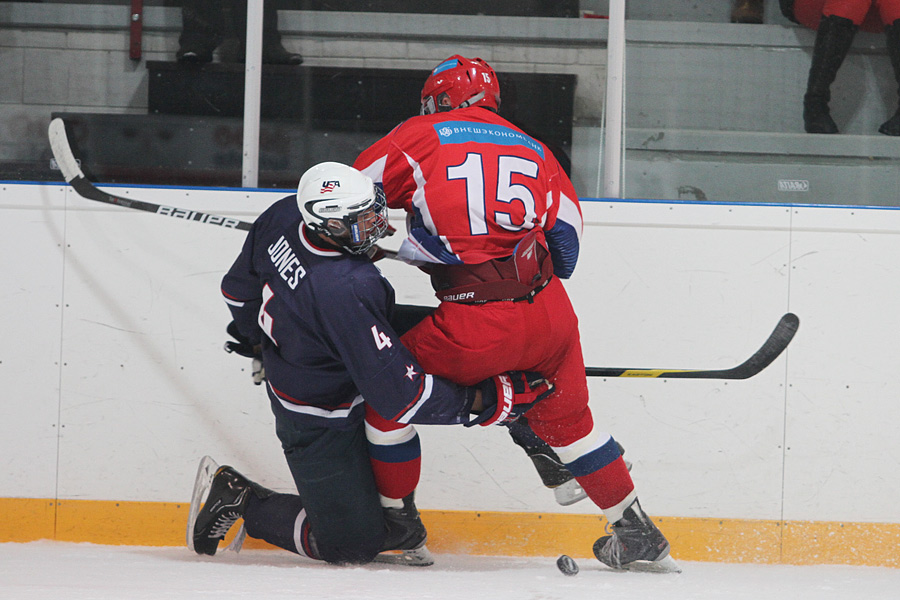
column 472, row 171
column 381, row 340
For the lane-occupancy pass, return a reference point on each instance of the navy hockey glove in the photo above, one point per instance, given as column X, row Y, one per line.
column 376, row 253
column 245, row 347
column 508, row 396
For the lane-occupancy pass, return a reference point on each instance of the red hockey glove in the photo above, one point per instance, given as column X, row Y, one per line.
column 508, row 396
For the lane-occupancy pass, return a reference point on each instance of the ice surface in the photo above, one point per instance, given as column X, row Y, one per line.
column 64, row 571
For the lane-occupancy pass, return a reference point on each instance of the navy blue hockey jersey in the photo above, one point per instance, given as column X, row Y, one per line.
column 322, row 317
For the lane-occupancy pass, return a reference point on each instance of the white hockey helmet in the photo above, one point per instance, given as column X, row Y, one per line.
column 339, row 202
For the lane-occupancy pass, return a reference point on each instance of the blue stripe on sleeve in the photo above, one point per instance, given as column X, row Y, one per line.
column 431, row 243
column 564, row 246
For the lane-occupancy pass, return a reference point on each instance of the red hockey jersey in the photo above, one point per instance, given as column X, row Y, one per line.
column 474, row 185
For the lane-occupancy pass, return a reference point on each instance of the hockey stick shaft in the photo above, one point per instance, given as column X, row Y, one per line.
column 762, row 358
column 62, row 152
column 68, row 165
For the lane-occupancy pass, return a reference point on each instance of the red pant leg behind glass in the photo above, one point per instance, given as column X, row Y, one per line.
column 469, row 343
column 868, row 14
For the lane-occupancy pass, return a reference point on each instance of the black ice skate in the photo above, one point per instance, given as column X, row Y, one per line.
column 405, row 543
column 229, row 492
column 635, row 544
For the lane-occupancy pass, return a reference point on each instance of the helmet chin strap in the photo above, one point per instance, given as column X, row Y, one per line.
column 338, row 236
column 321, row 239
column 472, row 100
column 430, row 108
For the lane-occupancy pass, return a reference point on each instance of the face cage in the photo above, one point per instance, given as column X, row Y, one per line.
column 429, row 107
column 367, row 226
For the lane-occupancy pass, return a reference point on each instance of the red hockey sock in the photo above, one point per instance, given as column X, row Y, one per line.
column 608, row 486
column 395, row 454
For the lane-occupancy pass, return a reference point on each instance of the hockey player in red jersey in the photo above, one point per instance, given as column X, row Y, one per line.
column 495, row 222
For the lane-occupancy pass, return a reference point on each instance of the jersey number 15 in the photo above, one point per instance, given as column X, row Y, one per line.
column 472, row 171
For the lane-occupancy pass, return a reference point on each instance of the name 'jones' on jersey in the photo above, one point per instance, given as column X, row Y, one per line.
column 286, row 262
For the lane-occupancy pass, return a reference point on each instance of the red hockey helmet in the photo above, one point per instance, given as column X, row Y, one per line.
column 459, row 82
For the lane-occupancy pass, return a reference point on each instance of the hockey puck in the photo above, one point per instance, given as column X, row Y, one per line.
column 567, row 565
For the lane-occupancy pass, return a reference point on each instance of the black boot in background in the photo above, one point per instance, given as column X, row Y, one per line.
column 833, row 41
column 273, row 52
column 201, row 31
column 892, row 32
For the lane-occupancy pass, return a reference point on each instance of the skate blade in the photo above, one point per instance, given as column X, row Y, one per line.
column 420, row 557
column 664, row 565
column 238, row 541
column 205, row 473
column 569, row 493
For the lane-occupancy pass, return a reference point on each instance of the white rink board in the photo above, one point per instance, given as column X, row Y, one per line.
column 112, row 352
column 688, row 286
column 32, row 241
column 846, row 457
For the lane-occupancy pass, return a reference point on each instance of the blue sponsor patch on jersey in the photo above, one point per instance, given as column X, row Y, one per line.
column 462, row 132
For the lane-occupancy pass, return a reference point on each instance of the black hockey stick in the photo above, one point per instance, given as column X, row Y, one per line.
column 62, row 152
column 762, row 358
column 68, row 165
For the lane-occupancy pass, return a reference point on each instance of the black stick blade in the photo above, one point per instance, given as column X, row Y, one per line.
column 770, row 350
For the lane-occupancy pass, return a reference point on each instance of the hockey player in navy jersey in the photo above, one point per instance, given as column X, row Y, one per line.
column 307, row 299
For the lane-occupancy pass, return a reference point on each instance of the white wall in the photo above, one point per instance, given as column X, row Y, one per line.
column 114, row 381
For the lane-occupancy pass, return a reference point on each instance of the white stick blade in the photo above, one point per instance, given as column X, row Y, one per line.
column 62, row 152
